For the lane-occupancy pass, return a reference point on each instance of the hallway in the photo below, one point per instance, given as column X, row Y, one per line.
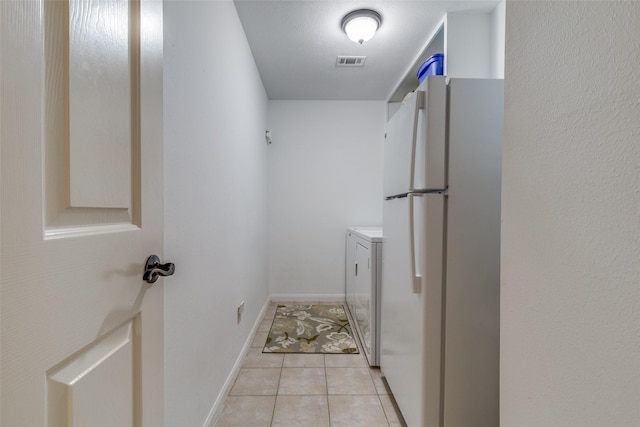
column 322, row 390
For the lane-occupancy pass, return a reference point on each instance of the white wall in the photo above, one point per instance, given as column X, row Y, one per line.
column 325, row 173
column 570, row 302
column 497, row 40
column 215, row 202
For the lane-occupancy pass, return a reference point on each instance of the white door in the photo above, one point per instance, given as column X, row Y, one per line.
column 81, row 168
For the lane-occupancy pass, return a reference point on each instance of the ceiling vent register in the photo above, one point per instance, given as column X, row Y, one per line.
column 350, row 61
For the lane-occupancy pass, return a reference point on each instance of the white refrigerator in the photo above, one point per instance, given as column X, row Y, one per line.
column 440, row 299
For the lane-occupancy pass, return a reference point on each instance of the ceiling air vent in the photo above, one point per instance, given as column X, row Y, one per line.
column 350, row 61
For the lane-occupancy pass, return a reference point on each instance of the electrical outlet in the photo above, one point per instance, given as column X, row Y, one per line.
column 240, row 310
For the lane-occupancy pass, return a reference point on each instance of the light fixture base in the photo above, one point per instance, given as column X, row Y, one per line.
column 361, row 25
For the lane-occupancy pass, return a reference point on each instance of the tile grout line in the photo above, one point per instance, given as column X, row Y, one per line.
column 361, row 349
column 369, row 369
column 326, row 383
column 275, row 400
column 384, row 411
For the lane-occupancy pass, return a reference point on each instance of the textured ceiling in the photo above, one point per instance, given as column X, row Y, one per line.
column 295, row 44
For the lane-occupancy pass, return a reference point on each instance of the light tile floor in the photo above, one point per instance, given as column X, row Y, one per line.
column 310, row 390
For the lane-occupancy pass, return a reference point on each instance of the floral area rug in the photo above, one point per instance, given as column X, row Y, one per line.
column 306, row 328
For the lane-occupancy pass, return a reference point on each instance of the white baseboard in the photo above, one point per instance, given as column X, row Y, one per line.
column 218, row 406
column 307, row 297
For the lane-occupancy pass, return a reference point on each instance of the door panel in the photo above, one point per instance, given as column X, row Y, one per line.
column 350, row 271
column 81, row 114
column 363, row 293
column 102, row 373
column 411, row 329
column 402, row 326
column 100, row 53
column 399, row 146
column 415, row 145
column 431, row 163
column 92, row 113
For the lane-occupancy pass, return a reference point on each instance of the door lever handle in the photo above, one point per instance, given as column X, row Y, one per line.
column 153, row 269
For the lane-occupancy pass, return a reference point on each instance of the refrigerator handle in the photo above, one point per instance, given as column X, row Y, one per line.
column 416, row 279
column 420, row 104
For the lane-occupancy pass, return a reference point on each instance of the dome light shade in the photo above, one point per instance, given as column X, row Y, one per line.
column 361, row 25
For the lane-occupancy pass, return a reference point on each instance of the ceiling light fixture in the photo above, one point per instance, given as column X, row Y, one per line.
column 361, row 25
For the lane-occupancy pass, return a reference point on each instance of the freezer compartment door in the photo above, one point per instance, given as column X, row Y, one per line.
column 411, row 316
column 415, row 148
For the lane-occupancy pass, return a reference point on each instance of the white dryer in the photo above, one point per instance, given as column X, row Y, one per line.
column 362, row 286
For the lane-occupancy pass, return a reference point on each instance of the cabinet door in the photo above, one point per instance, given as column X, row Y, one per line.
column 363, row 292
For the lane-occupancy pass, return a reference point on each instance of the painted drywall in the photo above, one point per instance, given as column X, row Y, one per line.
column 497, row 40
column 570, row 297
column 215, row 202
column 325, row 174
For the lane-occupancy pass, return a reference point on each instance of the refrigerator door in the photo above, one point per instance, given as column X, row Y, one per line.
column 412, row 317
column 415, row 148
